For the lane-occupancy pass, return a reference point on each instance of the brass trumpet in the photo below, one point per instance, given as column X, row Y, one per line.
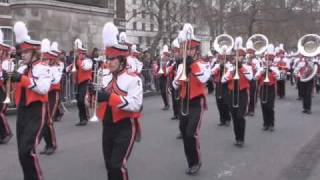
column 8, row 83
column 97, row 80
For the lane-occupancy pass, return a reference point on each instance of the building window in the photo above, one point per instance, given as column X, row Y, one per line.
column 140, row 39
column 7, row 35
column 148, row 41
column 4, row 1
column 143, row 2
column 151, row 27
column 143, row 14
column 143, row 26
column 151, row 16
column 134, row 1
column 134, row 12
column 134, row 25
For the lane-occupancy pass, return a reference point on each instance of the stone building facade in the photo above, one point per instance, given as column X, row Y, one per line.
column 61, row 21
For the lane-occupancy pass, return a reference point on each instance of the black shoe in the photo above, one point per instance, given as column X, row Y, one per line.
column 174, row 118
column 271, row 129
column 221, row 124
column 179, row 136
column 239, row 144
column 50, row 150
column 44, row 151
column 82, row 123
column 6, row 139
column 265, row 128
column 307, row 111
column 58, row 118
column 166, row 108
column 192, row 171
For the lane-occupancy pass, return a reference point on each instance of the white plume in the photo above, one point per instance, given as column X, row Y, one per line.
column 45, row 46
column 1, row 36
column 78, row 43
column 122, row 37
column 175, row 43
column 181, row 36
column 238, row 43
column 277, row 49
column 209, row 53
column 133, row 48
column 281, row 47
column 54, row 47
column 109, row 34
column 165, row 49
column 249, row 44
column 21, row 32
column 188, row 31
column 270, row 49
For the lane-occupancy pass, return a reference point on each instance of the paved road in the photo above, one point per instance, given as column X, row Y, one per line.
column 291, row 152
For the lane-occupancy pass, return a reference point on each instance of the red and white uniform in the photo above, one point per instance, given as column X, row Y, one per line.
column 245, row 73
column 126, row 95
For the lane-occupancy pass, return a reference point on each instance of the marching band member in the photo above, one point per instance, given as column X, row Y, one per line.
column 48, row 131
column 172, row 71
column 192, row 97
column 255, row 65
column 120, row 104
column 221, row 94
column 238, row 95
column 7, row 65
column 59, row 64
column 163, row 76
column 83, row 76
column 33, row 81
column 281, row 62
column 304, row 70
column 267, row 82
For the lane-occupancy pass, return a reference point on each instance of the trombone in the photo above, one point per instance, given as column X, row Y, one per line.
column 75, row 47
column 186, row 46
column 222, row 44
column 236, row 78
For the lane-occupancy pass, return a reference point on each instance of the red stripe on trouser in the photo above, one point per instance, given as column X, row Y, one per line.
column 37, row 139
column 4, row 120
column 124, row 162
column 196, row 135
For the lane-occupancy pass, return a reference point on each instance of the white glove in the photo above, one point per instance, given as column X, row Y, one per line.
column 8, row 66
column 21, row 69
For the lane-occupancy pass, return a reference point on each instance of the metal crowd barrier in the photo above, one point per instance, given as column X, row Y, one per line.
column 69, row 88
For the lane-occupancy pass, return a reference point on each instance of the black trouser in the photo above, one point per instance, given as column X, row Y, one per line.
column 306, row 92
column 253, row 95
column 267, row 105
column 30, row 120
column 48, row 131
column 117, row 142
column 82, row 90
column 281, row 88
column 5, row 129
column 238, row 114
column 299, row 89
column 175, row 102
column 4, row 125
column 163, row 89
column 189, row 128
column 222, row 102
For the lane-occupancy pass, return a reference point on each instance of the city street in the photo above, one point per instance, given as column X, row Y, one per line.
column 291, row 152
